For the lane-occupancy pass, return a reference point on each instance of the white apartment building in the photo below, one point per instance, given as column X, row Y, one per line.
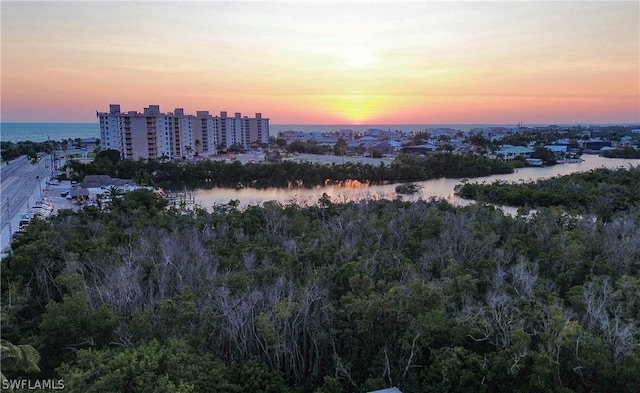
column 258, row 129
column 182, row 129
column 205, row 134
column 156, row 135
column 110, row 129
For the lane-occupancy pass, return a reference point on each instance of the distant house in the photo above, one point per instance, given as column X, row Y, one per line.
column 323, row 140
column 509, row 153
column 558, row 150
column 89, row 143
column 291, row 135
column 625, row 141
column 572, row 145
column 388, row 146
column 424, row 148
column 596, row 144
column 635, row 131
column 368, row 139
column 79, row 194
column 533, row 161
column 96, row 181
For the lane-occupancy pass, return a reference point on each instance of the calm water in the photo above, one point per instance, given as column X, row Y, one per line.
column 439, row 188
column 40, row 132
column 275, row 128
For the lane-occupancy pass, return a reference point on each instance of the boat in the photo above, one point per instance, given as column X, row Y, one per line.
column 43, row 205
column 41, row 208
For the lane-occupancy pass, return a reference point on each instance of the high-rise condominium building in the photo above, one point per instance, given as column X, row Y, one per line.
column 155, row 135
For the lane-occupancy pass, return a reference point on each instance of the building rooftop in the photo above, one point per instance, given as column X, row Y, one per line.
column 515, row 150
column 92, row 181
column 556, row 148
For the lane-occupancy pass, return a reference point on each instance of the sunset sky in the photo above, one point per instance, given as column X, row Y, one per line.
column 325, row 62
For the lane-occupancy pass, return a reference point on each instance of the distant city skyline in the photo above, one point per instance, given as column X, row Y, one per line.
column 326, row 62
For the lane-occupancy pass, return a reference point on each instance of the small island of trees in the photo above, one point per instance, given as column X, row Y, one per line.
column 207, row 174
column 627, row 152
column 600, row 191
column 408, row 188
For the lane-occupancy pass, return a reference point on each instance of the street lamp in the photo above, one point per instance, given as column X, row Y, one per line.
column 8, row 215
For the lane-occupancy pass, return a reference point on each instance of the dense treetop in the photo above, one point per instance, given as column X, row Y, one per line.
column 627, row 152
column 600, row 191
column 330, row 298
column 208, row 173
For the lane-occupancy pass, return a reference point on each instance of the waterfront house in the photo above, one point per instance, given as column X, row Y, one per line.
column 595, row 144
column 625, row 141
column 533, row 161
column 558, row 149
column 509, row 153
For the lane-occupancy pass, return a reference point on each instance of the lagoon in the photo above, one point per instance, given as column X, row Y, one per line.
column 356, row 191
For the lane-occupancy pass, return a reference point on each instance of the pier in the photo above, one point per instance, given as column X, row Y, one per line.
column 181, row 199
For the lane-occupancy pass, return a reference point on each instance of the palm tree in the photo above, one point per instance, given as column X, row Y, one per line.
column 188, row 149
column 340, row 147
column 197, row 146
column 114, row 193
column 18, row 357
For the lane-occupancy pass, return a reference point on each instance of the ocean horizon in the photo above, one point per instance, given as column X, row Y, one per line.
column 42, row 131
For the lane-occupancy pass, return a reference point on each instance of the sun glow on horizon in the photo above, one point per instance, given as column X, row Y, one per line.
column 313, row 62
column 358, row 58
column 359, row 107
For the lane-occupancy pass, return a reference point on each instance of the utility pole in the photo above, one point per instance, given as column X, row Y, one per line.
column 9, row 218
column 53, row 153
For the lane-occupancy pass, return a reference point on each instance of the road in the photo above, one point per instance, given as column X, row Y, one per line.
column 21, row 185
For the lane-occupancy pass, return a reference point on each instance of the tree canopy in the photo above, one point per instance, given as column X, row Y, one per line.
column 337, row 297
column 206, row 173
column 601, row 191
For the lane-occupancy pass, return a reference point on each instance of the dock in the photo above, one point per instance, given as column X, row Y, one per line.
column 182, row 199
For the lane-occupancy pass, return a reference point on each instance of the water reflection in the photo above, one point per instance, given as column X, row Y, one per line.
column 354, row 190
